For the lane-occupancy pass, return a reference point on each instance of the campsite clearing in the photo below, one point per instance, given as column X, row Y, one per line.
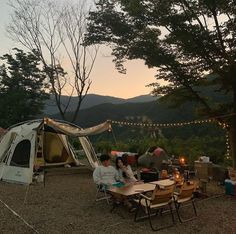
column 66, row 205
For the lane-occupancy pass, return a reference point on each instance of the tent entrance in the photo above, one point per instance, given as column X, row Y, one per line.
column 53, row 150
column 21, row 154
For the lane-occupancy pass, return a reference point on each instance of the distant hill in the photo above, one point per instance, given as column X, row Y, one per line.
column 139, row 109
column 155, row 112
column 141, row 99
column 131, row 110
column 93, row 100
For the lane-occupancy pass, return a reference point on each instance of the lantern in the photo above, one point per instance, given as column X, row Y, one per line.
column 177, row 177
column 182, row 161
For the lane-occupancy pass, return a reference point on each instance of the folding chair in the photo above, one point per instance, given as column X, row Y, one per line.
column 185, row 196
column 101, row 193
column 160, row 199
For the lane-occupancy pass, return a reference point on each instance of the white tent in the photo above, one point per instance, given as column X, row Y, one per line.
column 41, row 143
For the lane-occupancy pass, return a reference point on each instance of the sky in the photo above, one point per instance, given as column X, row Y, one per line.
column 106, row 80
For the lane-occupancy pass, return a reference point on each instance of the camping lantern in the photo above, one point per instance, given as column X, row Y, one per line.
column 182, row 161
column 176, row 176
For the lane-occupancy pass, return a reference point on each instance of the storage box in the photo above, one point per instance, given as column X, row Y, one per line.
column 203, row 169
column 230, row 187
column 148, row 176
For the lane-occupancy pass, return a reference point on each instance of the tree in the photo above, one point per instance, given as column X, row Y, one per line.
column 22, row 88
column 184, row 39
column 56, row 32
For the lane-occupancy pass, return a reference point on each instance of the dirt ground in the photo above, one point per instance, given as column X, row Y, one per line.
column 67, row 205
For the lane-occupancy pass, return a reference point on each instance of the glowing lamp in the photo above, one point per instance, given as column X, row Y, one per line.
column 182, row 160
column 177, row 177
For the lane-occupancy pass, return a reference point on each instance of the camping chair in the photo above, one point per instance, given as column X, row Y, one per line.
column 185, row 196
column 159, row 199
column 101, row 193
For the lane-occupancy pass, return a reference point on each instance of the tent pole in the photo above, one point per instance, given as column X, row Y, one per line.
column 114, row 137
column 44, row 173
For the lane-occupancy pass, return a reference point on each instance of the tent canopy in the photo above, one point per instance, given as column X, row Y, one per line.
column 43, row 142
column 73, row 130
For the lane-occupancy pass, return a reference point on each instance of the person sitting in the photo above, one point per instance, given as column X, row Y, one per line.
column 105, row 174
column 125, row 172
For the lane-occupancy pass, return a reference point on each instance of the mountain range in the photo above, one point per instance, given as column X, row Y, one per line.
column 145, row 109
column 93, row 100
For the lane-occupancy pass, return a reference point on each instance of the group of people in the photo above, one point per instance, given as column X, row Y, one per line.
column 108, row 175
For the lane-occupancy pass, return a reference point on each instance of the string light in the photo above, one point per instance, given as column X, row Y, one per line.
column 227, row 144
column 165, row 125
column 224, row 126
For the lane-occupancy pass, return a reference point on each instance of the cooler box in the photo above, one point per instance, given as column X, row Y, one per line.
column 230, row 187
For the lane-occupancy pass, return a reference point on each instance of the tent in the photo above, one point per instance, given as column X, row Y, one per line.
column 41, row 143
column 2, row 131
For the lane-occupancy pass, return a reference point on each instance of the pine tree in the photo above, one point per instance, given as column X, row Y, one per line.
column 22, row 88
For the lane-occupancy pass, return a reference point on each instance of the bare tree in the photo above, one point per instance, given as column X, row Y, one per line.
column 56, row 31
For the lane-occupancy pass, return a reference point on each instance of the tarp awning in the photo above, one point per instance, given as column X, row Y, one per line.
column 76, row 131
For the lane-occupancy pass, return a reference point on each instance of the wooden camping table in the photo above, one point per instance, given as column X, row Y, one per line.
column 163, row 183
column 130, row 190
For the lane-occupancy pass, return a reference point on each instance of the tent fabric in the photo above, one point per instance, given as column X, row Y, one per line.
column 32, row 144
column 76, row 131
column 89, row 151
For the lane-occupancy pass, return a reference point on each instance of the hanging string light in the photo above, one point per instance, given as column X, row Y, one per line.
column 162, row 125
column 214, row 119
column 227, row 144
column 225, row 126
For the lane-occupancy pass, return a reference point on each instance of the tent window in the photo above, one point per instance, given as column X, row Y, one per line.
column 21, row 155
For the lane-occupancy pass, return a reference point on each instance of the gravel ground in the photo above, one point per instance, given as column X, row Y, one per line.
column 67, row 205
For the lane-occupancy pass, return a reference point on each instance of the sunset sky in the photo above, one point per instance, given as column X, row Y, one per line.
column 106, row 80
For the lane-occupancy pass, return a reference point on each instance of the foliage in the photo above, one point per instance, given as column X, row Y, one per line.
column 103, row 146
column 22, row 88
column 191, row 148
column 183, row 39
